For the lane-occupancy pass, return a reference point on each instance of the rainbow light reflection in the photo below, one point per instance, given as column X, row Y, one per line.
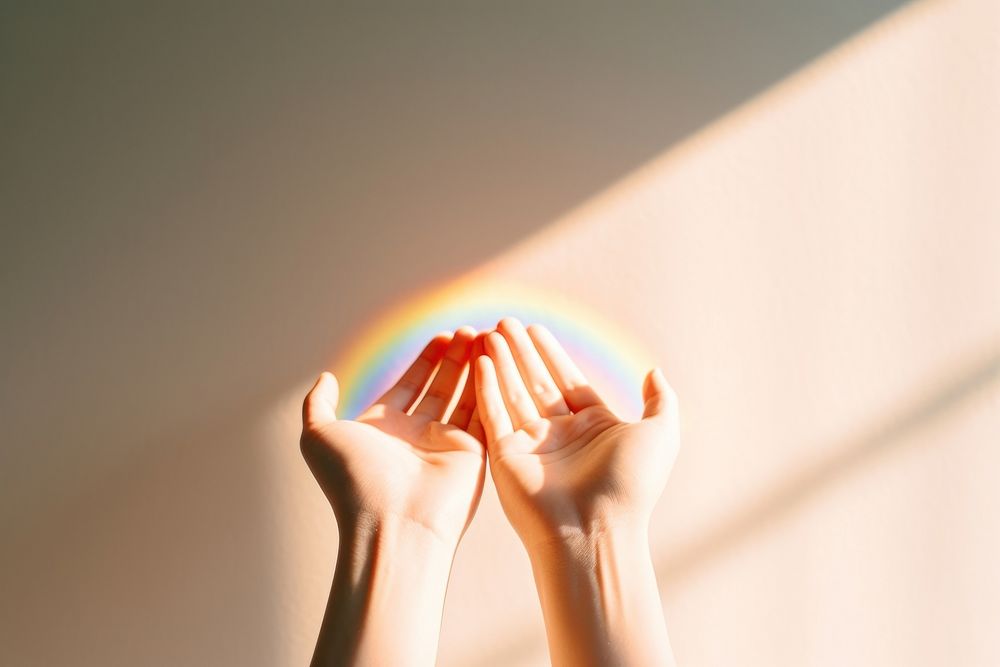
column 614, row 363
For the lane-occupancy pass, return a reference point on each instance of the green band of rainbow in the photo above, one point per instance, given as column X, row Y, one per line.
column 614, row 362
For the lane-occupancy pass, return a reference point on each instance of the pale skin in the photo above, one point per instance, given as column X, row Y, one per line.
column 577, row 484
column 404, row 483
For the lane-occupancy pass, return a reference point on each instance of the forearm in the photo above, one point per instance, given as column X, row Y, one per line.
column 387, row 597
column 600, row 599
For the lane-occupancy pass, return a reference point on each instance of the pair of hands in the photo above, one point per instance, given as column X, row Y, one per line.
column 566, row 469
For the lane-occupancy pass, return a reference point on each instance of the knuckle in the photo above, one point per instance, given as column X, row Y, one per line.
column 438, row 393
column 310, row 431
column 543, row 388
column 307, row 443
column 307, row 407
column 518, row 398
column 432, row 429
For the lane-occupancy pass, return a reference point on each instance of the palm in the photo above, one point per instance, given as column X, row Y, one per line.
column 427, row 472
column 589, row 460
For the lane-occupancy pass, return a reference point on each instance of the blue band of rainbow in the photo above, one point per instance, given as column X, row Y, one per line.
column 614, row 362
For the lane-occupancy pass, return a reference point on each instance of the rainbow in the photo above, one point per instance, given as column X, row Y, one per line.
column 613, row 361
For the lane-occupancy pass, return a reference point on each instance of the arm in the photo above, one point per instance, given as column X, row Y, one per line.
column 404, row 480
column 579, row 486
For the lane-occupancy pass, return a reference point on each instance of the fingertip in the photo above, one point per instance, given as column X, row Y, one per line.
column 495, row 342
column 460, row 347
column 325, row 383
column 332, row 383
column 321, row 401
column 509, row 324
column 655, row 382
column 438, row 345
column 658, row 395
column 466, row 331
column 484, row 364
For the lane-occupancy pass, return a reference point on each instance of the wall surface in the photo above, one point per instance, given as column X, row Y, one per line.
column 793, row 207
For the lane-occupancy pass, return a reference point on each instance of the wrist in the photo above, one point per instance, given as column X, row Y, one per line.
column 597, row 581
column 378, row 548
column 618, row 545
column 388, row 593
column 578, row 538
column 387, row 530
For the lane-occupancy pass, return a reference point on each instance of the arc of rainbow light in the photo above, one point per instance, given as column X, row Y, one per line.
column 614, row 361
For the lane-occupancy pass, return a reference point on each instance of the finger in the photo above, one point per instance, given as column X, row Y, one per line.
column 570, row 380
column 475, row 427
column 402, row 394
column 659, row 397
column 444, row 386
column 537, row 379
column 520, row 407
column 461, row 416
column 320, row 406
column 489, row 402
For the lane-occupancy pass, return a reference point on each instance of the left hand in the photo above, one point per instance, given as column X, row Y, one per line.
column 400, row 461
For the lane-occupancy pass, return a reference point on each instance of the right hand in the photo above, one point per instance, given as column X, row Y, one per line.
column 562, row 462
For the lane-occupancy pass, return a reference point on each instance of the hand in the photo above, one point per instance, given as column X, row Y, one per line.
column 563, row 463
column 397, row 462
column 579, row 485
column 404, row 485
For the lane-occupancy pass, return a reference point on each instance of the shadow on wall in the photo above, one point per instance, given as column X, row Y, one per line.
column 166, row 563
column 200, row 204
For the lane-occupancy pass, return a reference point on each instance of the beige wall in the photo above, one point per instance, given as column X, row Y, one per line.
column 818, row 270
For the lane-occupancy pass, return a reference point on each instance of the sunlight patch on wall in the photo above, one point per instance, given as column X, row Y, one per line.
column 803, row 287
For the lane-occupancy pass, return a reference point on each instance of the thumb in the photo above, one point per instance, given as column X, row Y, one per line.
column 320, row 405
column 658, row 396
